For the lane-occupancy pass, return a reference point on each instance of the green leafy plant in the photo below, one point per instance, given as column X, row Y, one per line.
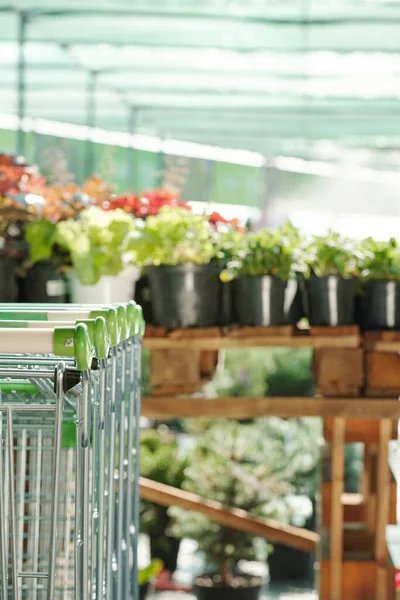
column 175, row 236
column 265, row 252
column 331, row 255
column 96, row 244
column 228, row 466
column 41, row 238
column 161, row 461
column 380, row 260
column 148, row 573
column 291, row 374
column 300, row 455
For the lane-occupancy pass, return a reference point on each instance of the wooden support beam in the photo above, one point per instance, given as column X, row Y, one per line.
column 382, row 509
column 336, row 529
column 295, row 537
column 216, row 343
column 165, row 407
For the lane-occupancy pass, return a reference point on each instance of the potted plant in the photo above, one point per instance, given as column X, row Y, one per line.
column 226, row 466
column 161, row 461
column 179, row 250
column 94, row 248
column 380, row 284
column 299, row 460
column 41, row 276
column 12, row 250
column 331, row 267
column 142, row 206
column 146, row 575
column 21, row 199
column 260, row 269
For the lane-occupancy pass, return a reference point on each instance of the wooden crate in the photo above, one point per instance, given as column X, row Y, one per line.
column 175, row 371
column 357, row 539
column 357, row 430
column 354, row 507
column 382, row 374
column 338, row 371
column 360, row 581
column 208, row 363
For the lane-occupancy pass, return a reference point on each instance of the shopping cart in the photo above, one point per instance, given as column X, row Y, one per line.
column 80, row 539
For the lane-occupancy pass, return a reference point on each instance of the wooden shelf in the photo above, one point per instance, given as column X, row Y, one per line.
column 251, row 337
column 165, row 407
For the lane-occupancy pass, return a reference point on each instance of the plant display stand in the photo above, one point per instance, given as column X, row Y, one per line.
column 357, row 381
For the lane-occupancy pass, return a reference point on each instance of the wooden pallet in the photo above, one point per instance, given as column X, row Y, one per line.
column 215, row 338
column 357, row 383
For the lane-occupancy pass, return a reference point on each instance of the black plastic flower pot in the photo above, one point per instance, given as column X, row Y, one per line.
column 185, row 295
column 143, row 298
column 330, row 301
column 166, row 549
column 294, row 307
column 259, row 301
column 380, row 305
column 252, row 591
column 8, row 280
column 289, row 564
column 225, row 304
column 143, row 591
column 43, row 283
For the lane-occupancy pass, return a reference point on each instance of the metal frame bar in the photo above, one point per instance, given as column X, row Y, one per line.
column 131, row 173
column 21, row 80
column 91, row 103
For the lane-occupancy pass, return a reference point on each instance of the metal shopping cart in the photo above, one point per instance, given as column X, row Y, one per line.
column 69, row 512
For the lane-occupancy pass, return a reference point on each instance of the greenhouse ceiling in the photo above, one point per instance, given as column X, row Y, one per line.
column 247, row 74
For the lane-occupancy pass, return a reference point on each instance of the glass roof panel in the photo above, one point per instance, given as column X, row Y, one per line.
column 236, row 72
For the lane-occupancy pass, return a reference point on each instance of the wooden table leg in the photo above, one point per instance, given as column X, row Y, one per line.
column 382, row 509
column 336, row 531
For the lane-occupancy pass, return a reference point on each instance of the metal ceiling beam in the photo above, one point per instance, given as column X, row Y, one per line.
column 183, row 92
column 243, row 113
column 225, row 17
column 247, row 50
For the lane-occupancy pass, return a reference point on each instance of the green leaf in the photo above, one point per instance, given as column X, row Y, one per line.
column 41, row 236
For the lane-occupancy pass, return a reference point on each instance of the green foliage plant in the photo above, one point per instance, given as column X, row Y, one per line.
column 97, row 243
column 160, row 461
column 271, row 252
column 175, row 236
column 228, row 465
column 331, row 255
column 380, row 260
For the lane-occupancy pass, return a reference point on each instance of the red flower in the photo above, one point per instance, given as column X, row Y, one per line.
column 397, row 580
column 147, row 204
column 216, row 218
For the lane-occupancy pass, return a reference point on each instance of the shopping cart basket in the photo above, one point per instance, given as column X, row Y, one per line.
column 97, row 476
